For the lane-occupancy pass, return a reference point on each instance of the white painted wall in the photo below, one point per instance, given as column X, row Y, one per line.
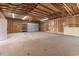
column 32, row 27
column 3, row 27
column 71, row 31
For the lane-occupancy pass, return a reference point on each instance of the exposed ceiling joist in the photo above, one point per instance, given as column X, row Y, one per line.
column 68, row 8
column 60, row 9
column 43, row 11
column 40, row 12
column 47, row 7
column 37, row 14
column 68, row 11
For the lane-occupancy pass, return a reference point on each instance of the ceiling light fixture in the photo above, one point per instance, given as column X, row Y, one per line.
column 44, row 19
column 25, row 17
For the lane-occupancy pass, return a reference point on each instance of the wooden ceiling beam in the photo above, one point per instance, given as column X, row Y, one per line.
column 47, row 7
column 40, row 12
column 55, row 6
column 50, row 17
column 37, row 15
column 64, row 13
column 49, row 13
column 10, row 18
column 44, row 11
column 68, row 8
column 25, row 8
column 68, row 11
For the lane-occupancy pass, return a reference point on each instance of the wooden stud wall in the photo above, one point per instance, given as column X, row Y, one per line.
column 72, row 21
column 55, row 25
column 15, row 26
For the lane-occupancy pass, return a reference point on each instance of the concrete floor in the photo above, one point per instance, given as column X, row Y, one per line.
column 39, row 44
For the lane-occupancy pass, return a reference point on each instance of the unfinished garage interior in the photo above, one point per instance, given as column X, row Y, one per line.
column 39, row 29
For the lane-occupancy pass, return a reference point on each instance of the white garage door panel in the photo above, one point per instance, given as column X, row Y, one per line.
column 32, row 27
